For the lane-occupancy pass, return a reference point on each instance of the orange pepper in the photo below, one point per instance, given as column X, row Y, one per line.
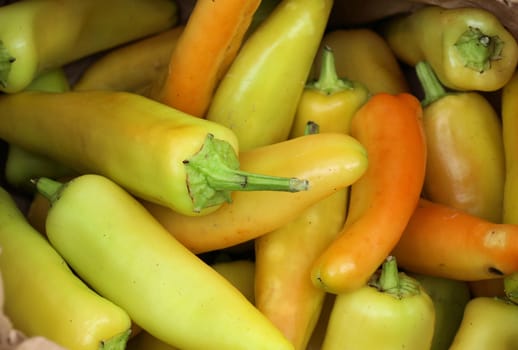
column 384, row 198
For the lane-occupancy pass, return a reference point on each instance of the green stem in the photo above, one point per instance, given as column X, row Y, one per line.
column 432, row 87
column 328, row 82
column 214, row 172
column 478, row 50
column 511, row 287
column 6, row 61
column 396, row 283
column 49, row 188
column 311, row 128
column 117, row 342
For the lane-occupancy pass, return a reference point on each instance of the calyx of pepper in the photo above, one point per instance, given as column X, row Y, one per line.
column 213, row 173
column 478, row 50
column 397, row 284
column 328, row 81
column 511, row 287
column 6, row 61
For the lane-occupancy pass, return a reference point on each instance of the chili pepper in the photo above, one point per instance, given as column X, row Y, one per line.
column 330, row 101
column 509, row 115
column 363, row 55
column 384, row 198
column 43, row 297
column 468, row 47
column 207, row 47
column 465, row 167
column 168, row 291
column 258, row 96
column 156, row 152
column 392, row 311
column 449, row 299
column 331, row 161
column 488, row 323
column 447, row 242
column 40, row 35
column 134, row 67
column 21, row 166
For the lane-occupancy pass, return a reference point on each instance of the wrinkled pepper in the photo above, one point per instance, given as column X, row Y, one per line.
column 449, row 300
column 488, row 323
column 447, row 242
column 329, row 161
column 509, row 115
column 363, row 55
column 258, row 96
column 468, row 47
column 43, row 296
column 134, row 67
column 37, row 35
column 383, row 199
column 465, row 167
column 21, row 166
column 156, row 152
column 392, row 311
column 329, row 101
column 161, row 284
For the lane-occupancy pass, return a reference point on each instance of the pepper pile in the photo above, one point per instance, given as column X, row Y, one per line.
column 254, row 179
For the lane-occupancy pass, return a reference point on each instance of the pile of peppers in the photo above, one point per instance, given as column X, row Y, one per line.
column 344, row 188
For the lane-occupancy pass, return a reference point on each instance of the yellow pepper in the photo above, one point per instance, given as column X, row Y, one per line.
column 467, row 47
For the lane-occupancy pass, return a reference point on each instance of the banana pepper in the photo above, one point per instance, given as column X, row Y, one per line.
column 468, row 47
column 156, row 152
column 116, row 246
column 391, row 312
column 258, row 96
column 487, row 323
column 465, row 168
column 36, row 35
column 43, row 296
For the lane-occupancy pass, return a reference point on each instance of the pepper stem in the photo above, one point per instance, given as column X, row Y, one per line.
column 395, row 283
column 117, row 342
column 49, row 188
column 328, row 81
column 213, row 173
column 6, row 60
column 432, row 87
column 511, row 287
column 478, row 50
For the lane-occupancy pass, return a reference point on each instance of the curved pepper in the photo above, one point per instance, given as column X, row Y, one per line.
column 447, row 242
column 488, row 323
column 43, row 297
column 383, row 199
column 363, row 55
column 134, row 67
column 465, row 167
column 391, row 312
column 20, row 165
column 258, row 96
column 39, row 35
column 116, row 246
column 467, row 47
column 329, row 161
column 156, row 152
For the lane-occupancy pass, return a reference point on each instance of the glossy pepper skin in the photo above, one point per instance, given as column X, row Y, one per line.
column 37, row 35
column 43, row 297
column 465, row 168
column 362, row 55
column 468, row 47
column 488, row 323
column 21, row 166
column 329, row 161
column 383, row 199
column 116, row 246
column 391, row 312
column 156, row 152
column 258, row 96
column 509, row 114
column 329, row 101
column 449, row 300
